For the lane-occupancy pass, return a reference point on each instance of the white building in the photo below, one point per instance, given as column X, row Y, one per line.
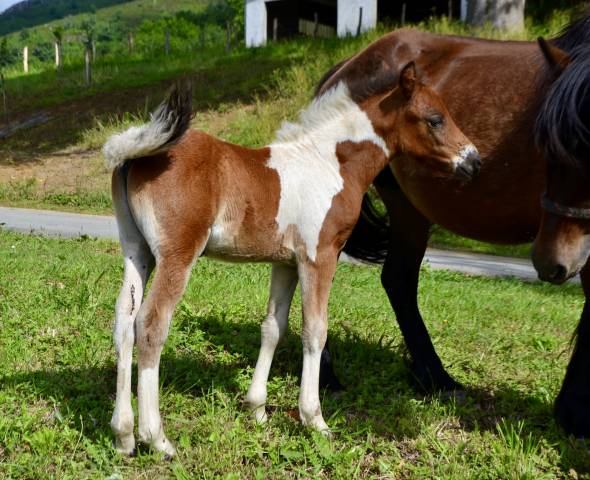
column 265, row 18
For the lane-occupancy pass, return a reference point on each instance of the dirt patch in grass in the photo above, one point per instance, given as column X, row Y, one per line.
column 66, row 169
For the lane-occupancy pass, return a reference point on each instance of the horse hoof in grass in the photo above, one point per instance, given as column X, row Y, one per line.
column 572, row 415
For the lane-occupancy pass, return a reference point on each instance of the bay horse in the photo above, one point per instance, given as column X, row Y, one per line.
column 494, row 91
column 179, row 194
column 562, row 246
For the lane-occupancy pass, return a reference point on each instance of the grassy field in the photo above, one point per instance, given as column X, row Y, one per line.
column 58, row 376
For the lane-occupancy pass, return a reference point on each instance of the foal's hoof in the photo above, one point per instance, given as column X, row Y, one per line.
column 166, row 448
column 162, row 445
column 125, row 445
column 259, row 415
column 318, row 424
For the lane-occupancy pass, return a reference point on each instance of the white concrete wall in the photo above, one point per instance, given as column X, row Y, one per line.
column 255, row 20
column 463, row 14
column 348, row 16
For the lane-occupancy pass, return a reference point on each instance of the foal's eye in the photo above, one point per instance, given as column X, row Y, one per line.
column 435, row 121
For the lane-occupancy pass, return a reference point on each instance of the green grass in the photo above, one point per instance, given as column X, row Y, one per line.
column 58, row 376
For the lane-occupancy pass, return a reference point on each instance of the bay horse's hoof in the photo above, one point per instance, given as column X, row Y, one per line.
column 572, row 414
column 441, row 382
column 328, row 379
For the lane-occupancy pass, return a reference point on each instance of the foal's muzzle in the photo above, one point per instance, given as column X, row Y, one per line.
column 467, row 163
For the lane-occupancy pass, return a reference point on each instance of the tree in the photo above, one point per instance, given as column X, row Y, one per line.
column 502, row 14
column 4, row 53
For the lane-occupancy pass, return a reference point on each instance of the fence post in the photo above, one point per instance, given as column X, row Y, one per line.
column 358, row 29
column 167, row 43
column 57, row 56
column 3, row 88
column 93, row 45
column 88, row 70
column 26, row 59
column 275, row 29
column 316, row 24
column 130, row 42
column 450, row 9
column 228, row 36
column 403, row 14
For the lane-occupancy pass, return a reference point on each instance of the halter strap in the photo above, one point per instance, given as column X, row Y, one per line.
column 563, row 211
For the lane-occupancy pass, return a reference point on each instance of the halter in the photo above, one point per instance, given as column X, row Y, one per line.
column 563, row 211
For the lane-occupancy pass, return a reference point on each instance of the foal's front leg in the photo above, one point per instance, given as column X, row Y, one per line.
column 316, row 282
column 282, row 286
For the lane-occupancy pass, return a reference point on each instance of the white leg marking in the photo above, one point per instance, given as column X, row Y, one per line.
column 282, row 287
column 124, row 338
column 309, row 397
column 151, row 431
column 167, row 288
column 316, row 281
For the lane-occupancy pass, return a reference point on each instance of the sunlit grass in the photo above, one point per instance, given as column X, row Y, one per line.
column 507, row 341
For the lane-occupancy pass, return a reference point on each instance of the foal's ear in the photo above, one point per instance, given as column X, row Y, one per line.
column 408, row 79
column 555, row 57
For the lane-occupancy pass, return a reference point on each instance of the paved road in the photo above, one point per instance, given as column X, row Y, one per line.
column 62, row 224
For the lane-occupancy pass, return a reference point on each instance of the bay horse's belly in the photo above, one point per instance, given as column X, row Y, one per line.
column 477, row 210
column 489, row 88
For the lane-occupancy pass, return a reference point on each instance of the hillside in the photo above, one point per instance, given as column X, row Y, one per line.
column 108, row 29
column 30, row 13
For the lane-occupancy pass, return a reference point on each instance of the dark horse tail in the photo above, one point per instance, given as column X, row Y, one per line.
column 369, row 240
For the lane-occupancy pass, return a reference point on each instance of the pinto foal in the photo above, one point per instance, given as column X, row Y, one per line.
column 179, row 194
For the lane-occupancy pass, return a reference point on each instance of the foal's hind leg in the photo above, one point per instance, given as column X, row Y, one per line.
column 316, row 282
column 282, row 287
column 152, row 324
column 138, row 262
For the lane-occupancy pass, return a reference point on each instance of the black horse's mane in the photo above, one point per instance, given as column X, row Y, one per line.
column 562, row 129
column 575, row 34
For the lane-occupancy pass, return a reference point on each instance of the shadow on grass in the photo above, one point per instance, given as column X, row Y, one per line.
column 379, row 396
column 220, row 82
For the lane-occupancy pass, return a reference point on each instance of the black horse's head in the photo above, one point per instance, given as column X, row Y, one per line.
column 562, row 133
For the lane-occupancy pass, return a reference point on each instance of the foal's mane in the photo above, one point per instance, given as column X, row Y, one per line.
column 562, row 129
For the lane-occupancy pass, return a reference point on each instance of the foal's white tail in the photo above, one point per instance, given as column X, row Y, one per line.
column 167, row 125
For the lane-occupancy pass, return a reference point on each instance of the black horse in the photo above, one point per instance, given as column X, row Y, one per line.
column 494, row 91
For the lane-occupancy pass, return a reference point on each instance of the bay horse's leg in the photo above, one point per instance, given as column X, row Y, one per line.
column 138, row 263
column 282, row 286
column 152, row 324
column 400, row 276
column 572, row 406
column 316, row 282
